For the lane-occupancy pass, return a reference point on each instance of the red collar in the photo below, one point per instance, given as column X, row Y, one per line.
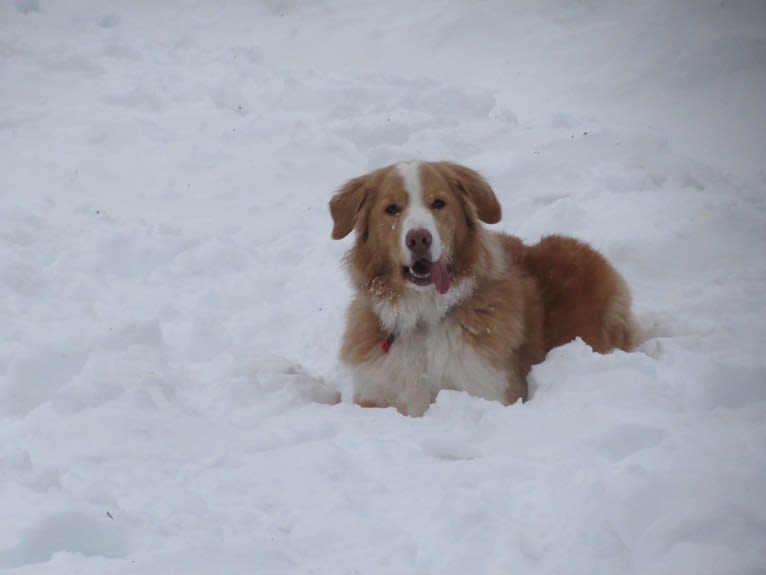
column 385, row 344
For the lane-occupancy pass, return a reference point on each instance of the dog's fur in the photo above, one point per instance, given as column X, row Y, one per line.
column 459, row 306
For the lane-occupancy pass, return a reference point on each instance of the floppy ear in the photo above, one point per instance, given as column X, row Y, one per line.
column 478, row 191
column 346, row 205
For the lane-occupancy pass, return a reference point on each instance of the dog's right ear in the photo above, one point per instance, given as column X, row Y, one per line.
column 347, row 204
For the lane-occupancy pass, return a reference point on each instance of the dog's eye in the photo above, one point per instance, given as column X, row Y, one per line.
column 437, row 204
column 393, row 209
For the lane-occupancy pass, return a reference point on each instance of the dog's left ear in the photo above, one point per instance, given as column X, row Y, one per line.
column 478, row 191
column 346, row 205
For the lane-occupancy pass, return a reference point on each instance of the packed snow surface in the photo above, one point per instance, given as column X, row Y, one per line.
column 171, row 303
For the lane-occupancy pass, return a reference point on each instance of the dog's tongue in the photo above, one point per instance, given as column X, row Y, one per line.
column 439, row 276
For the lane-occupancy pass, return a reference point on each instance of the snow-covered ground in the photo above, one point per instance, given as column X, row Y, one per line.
column 171, row 303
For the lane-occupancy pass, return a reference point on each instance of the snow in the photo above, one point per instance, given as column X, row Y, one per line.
column 172, row 303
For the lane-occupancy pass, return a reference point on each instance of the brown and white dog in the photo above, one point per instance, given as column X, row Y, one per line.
column 443, row 303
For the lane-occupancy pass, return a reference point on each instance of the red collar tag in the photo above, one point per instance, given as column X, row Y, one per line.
column 385, row 345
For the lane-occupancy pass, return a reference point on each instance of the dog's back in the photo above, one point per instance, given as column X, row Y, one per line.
column 583, row 295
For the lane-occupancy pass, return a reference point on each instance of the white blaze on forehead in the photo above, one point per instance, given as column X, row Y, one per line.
column 417, row 216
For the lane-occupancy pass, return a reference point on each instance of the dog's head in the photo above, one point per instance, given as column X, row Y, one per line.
column 417, row 225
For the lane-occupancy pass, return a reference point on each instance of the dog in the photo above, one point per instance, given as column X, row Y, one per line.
column 442, row 302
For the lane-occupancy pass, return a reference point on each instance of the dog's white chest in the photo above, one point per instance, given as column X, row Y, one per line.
column 422, row 363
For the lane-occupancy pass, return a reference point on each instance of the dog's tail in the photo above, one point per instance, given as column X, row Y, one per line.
column 619, row 325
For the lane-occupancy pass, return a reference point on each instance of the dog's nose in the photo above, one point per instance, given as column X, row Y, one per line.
column 419, row 241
